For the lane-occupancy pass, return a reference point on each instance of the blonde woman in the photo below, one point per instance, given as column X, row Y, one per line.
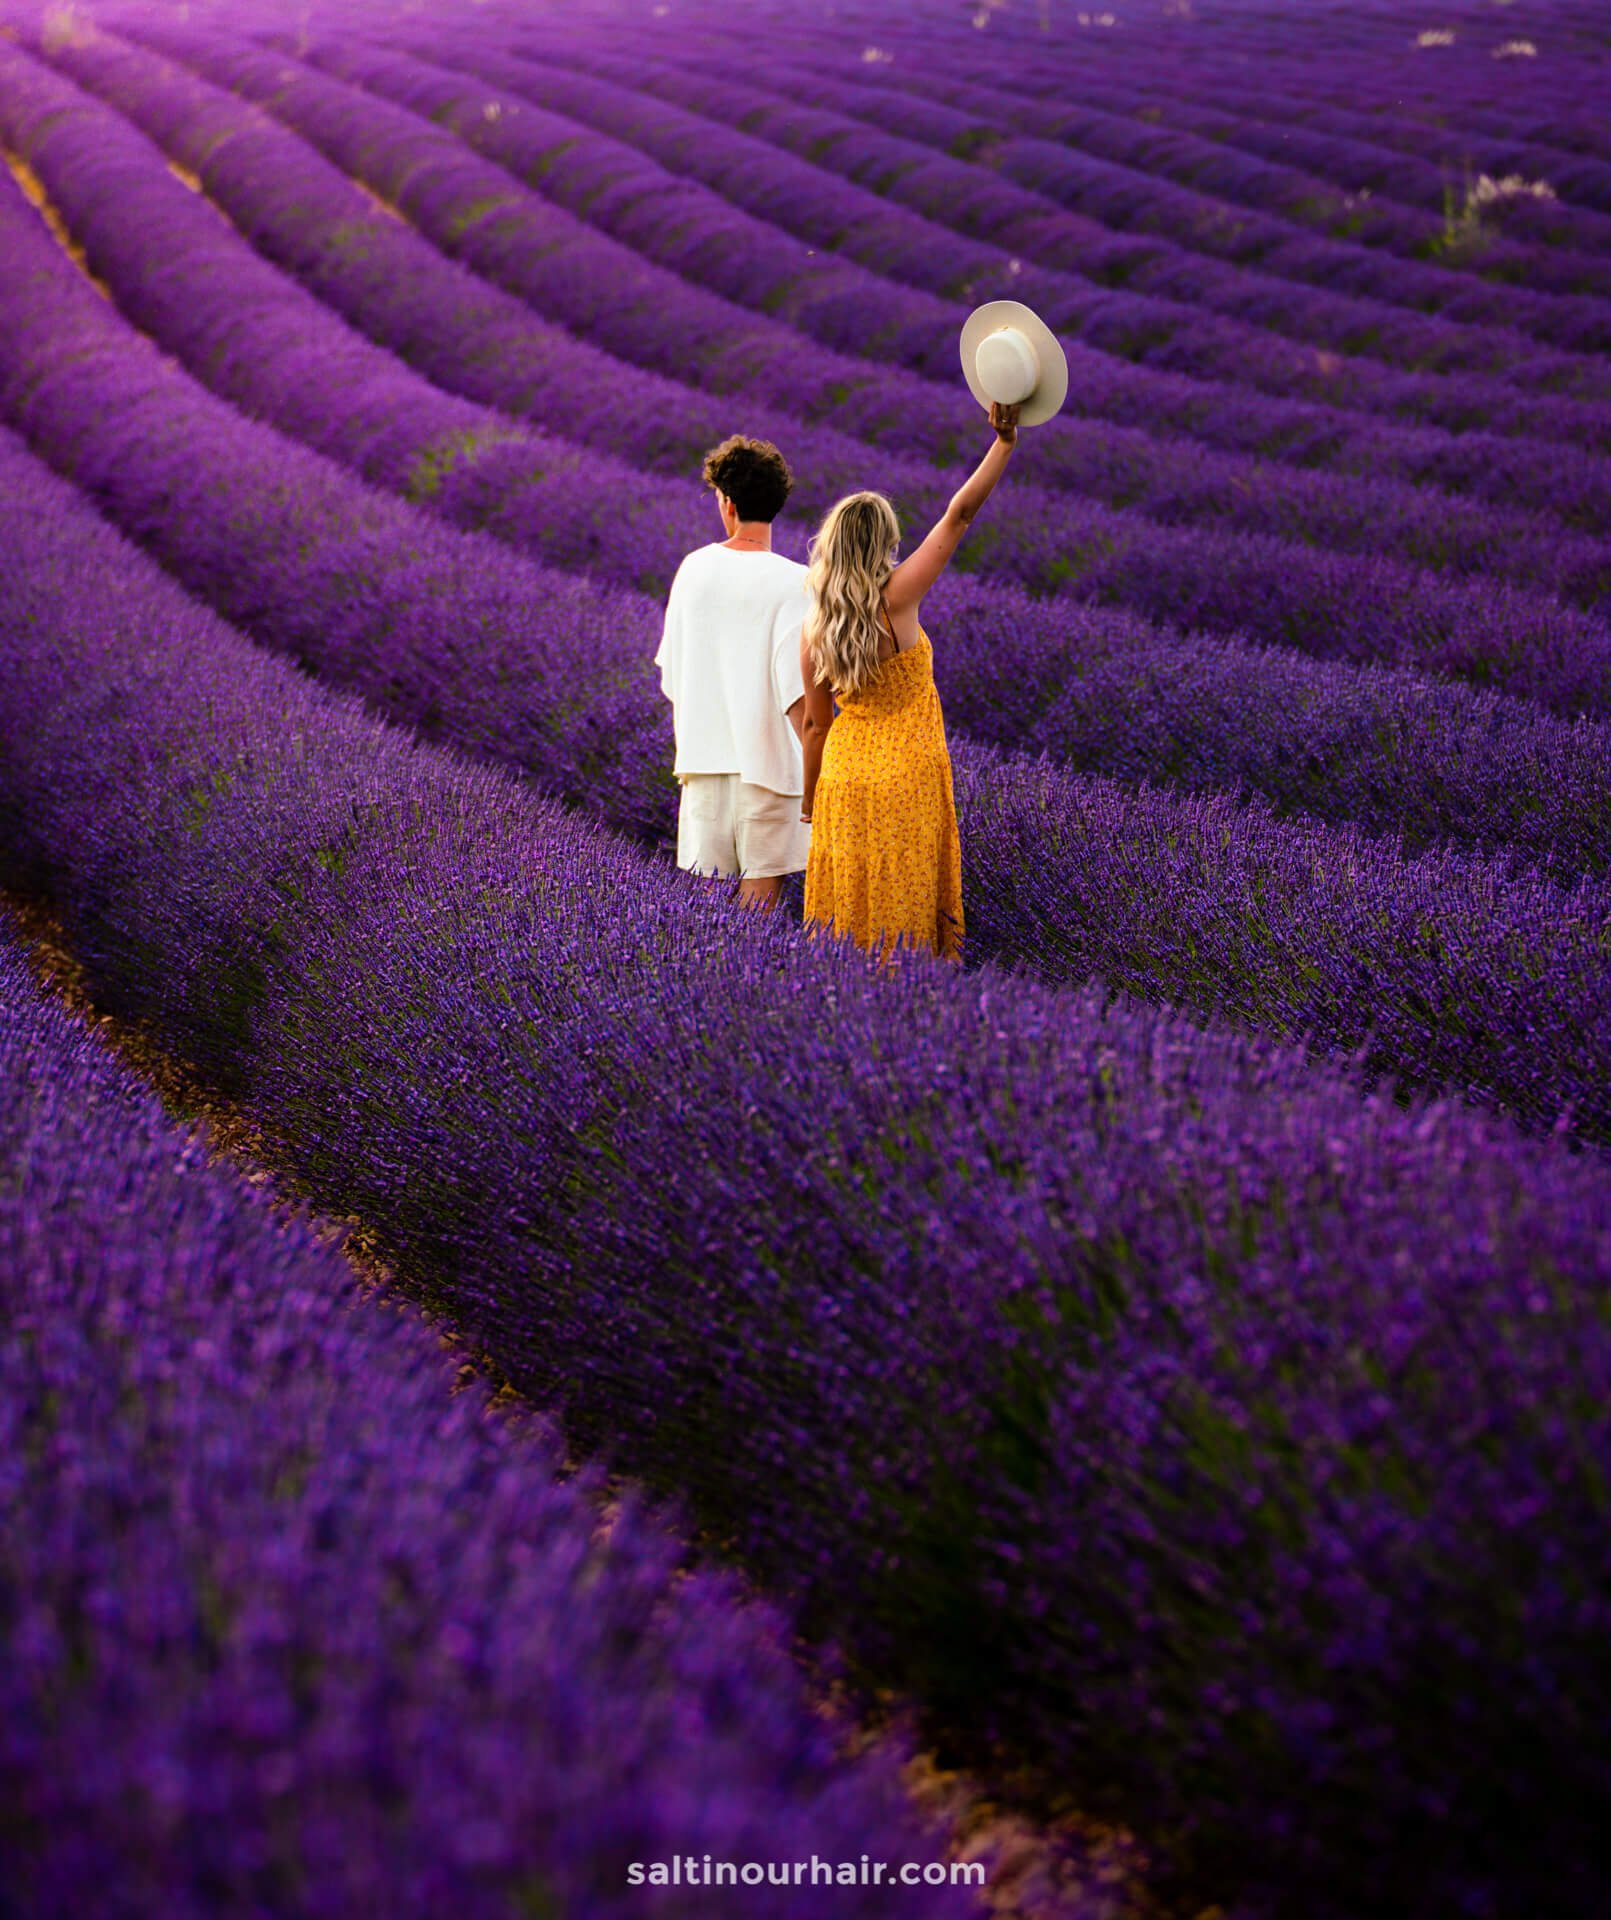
column 885, row 865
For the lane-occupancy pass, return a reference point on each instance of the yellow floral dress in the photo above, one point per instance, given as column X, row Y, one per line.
column 886, row 861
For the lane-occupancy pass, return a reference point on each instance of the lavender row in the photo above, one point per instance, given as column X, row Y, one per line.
column 1294, row 930
column 1429, row 761
column 489, row 1034
column 291, row 1627
column 1445, row 970
column 878, row 405
column 1247, row 338
column 478, row 469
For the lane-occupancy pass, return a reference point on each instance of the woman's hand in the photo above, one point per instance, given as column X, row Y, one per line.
column 1005, row 422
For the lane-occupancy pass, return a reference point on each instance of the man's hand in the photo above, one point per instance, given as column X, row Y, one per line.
column 1005, row 422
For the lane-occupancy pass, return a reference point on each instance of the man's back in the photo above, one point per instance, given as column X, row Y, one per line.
column 730, row 664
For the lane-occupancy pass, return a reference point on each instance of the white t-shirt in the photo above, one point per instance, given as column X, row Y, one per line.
column 729, row 664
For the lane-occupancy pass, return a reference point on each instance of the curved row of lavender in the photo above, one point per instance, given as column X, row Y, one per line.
column 1446, row 970
column 290, row 1627
column 448, row 194
column 1198, row 1432
column 301, row 211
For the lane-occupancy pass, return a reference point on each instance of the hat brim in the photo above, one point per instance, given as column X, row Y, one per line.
column 1051, row 390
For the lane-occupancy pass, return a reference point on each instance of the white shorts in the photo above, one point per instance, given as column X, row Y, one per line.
column 727, row 826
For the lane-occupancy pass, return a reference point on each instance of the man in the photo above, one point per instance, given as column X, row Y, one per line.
column 729, row 663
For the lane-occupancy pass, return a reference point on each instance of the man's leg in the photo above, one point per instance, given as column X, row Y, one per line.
column 771, row 840
column 705, row 838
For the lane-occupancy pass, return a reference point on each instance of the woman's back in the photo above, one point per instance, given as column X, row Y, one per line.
column 886, row 860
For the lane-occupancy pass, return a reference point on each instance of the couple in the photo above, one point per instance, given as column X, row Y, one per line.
column 809, row 732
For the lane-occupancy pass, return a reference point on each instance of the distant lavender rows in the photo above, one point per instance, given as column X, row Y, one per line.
column 1270, row 1615
column 1393, row 302
column 1173, row 479
column 1137, row 168
column 1438, row 113
column 1390, row 197
column 1296, row 930
column 290, row 1627
column 859, row 398
column 623, row 100
column 1264, row 317
column 297, row 211
column 1177, row 335
column 1407, row 159
column 1178, row 323
column 289, row 360
column 1365, row 57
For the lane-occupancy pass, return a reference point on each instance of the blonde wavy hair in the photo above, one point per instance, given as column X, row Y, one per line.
column 852, row 556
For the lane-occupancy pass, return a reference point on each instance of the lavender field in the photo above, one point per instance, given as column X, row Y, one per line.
column 1159, row 1370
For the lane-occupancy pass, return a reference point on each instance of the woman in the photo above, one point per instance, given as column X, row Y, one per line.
column 885, row 865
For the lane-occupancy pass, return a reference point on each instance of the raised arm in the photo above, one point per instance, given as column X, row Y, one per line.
column 919, row 571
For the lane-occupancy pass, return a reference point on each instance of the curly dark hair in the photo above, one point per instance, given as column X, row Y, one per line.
column 753, row 475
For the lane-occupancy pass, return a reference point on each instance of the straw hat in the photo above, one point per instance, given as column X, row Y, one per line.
column 1011, row 355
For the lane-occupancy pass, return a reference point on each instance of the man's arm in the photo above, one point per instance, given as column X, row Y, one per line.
column 670, row 636
column 788, row 685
